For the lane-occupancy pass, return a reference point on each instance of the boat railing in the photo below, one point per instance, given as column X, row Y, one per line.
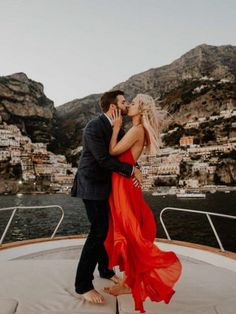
column 208, row 214
column 14, row 210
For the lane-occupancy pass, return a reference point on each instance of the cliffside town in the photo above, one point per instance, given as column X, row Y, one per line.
column 198, row 85
column 207, row 167
column 40, row 144
column 30, row 167
column 191, row 165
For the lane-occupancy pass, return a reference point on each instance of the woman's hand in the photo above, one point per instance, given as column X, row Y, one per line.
column 116, row 119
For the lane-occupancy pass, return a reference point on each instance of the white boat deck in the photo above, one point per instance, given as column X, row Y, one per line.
column 39, row 279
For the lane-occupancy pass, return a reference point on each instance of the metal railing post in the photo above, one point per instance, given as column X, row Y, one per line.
column 215, row 233
column 14, row 209
column 208, row 214
column 8, row 225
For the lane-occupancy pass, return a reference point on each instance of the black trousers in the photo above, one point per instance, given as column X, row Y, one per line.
column 94, row 252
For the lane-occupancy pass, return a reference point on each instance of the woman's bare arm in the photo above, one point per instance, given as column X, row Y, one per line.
column 127, row 141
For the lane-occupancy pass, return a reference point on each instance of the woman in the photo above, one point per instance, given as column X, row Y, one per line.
column 149, row 272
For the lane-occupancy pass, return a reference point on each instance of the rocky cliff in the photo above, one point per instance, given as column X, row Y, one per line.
column 198, row 84
column 23, row 103
column 201, row 83
column 71, row 118
column 202, row 61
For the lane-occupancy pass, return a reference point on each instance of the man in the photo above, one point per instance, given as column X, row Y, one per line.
column 93, row 185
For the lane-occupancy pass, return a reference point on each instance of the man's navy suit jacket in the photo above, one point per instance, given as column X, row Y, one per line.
column 93, row 177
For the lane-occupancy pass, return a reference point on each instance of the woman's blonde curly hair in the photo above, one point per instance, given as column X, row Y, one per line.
column 151, row 122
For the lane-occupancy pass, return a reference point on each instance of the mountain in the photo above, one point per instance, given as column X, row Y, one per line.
column 204, row 60
column 71, row 118
column 201, row 83
column 23, row 103
column 198, row 92
column 198, row 84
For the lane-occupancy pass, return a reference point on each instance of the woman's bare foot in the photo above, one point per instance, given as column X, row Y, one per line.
column 118, row 289
column 93, row 296
column 116, row 279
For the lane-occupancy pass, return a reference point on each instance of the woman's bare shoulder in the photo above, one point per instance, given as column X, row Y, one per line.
column 138, row 130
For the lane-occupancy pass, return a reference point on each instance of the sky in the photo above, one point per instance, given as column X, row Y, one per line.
column 80, row 47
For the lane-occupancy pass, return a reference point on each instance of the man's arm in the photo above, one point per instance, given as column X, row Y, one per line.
column 97, row 146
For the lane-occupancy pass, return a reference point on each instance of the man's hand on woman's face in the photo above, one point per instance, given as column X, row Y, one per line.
column 116, row 118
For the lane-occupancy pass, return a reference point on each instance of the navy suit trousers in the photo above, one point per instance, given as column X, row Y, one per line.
column 94, row 252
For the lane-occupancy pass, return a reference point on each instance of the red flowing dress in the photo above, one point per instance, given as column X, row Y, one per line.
column 150, row 272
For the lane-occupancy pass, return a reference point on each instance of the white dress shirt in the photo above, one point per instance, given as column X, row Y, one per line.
column 109, row 119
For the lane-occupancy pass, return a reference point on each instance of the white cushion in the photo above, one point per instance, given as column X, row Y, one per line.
column 8, row 306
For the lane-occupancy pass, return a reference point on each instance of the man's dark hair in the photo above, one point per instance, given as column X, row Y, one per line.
column 109, row 98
